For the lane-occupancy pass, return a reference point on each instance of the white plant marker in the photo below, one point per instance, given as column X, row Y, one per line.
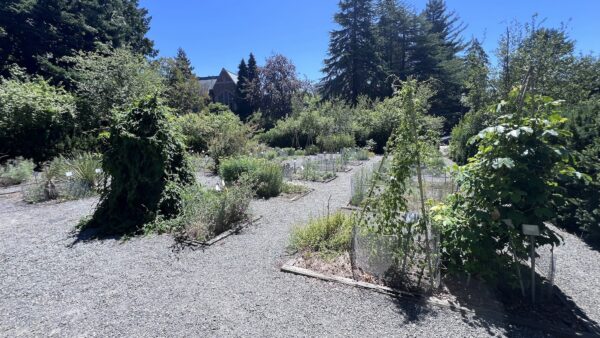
column 69, row 173
column 532, row 231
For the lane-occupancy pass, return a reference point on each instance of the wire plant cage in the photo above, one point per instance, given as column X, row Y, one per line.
column 410, row 258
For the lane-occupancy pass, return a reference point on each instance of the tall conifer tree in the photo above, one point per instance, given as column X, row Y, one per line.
column 352, row 67
column 243, row 106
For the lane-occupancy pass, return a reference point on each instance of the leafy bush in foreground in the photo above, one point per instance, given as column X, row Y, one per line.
column 266, row 176
column 16, row 171
column 148, row 168
column 509, row 182
column 326, row 235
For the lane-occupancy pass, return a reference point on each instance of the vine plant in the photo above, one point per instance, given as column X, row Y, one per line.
column 412, row 146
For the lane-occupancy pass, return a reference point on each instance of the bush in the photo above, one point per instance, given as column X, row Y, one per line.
column 216, row 130
column 36, row 119
column 16, row 171
column 148, row 168
column 311, row 150
column 266, row 176
column 329, row 235
column 461, row 146
column 335, row 143
column 509, row 182
column 207, row 213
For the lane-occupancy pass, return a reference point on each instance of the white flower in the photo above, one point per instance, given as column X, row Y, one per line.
column 98, row 170
column 69, row 173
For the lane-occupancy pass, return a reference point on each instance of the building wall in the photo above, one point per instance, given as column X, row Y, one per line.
column 224, row 91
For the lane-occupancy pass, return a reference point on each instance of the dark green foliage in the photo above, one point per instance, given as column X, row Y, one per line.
column 108, row 81
column 37, row 120
column 216, row 130
column 352, row 66
column 252, row 82
column 242, row 104
column 581, row 210
column 266, row 177
column 335, row 143
column 512, row 177
column 148, row 168
column 36, row 34
column 463, row 145
column 182, row 85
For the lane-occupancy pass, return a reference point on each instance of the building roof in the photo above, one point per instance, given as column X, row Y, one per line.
column 207, row 83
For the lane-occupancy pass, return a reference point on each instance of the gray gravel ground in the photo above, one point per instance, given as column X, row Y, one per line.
column 139, row 287
column 577, row 272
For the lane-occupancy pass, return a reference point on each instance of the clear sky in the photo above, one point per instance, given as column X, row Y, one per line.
column 219, row 33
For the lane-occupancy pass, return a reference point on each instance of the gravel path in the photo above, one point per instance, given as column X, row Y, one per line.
column 140, row 287
column 577, row 272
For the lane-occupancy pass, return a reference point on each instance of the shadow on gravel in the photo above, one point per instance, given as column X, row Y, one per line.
column 88, row 235
column 506, row 308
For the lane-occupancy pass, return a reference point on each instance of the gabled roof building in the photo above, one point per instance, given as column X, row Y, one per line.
column 221, row 88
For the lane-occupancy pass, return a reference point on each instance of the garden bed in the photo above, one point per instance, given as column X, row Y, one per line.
column 185, row 241
column 552, row 314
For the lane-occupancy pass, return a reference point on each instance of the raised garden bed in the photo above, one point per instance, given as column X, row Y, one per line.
column 184, row 241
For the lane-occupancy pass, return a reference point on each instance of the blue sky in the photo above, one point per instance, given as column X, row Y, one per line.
column 220, row 33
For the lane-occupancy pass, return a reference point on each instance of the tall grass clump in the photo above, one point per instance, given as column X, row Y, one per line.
column 16, row 171
column 207, row 213
column 266, row 176
column 360, row 184
column 68, row 178
column 330, row 235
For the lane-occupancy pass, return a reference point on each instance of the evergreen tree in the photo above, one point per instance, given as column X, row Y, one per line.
column 243, row 106
column 183, row 87
column 394, row 40
column 476, row 68
column 36, row 34
column 437, row 44
column 352, row 66
column 253, row 85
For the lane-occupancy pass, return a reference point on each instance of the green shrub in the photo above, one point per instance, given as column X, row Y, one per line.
column 216, row 131
column 148, row 168
column 461, row 146
column 509, row 182
column 37, row 119
column 266, row 176
column 335, row 143
column 311, row 150
column 360, row 183
column 16, row 171
column 327, row 236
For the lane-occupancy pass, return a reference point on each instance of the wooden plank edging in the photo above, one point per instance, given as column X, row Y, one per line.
column 490, row 313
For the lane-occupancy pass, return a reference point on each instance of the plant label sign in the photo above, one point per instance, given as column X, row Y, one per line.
column 531, row 230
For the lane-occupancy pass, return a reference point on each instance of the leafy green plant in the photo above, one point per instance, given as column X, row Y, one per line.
column 16, row 171
column 266, row 176
column 216, row 131
column 148, row 168
column 462, row 144
column 509, row 182
column 327, row 236
column 37, row 119
column 410, row 147
column 336, row 142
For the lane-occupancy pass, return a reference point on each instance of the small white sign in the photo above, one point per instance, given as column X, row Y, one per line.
column 531, row 230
